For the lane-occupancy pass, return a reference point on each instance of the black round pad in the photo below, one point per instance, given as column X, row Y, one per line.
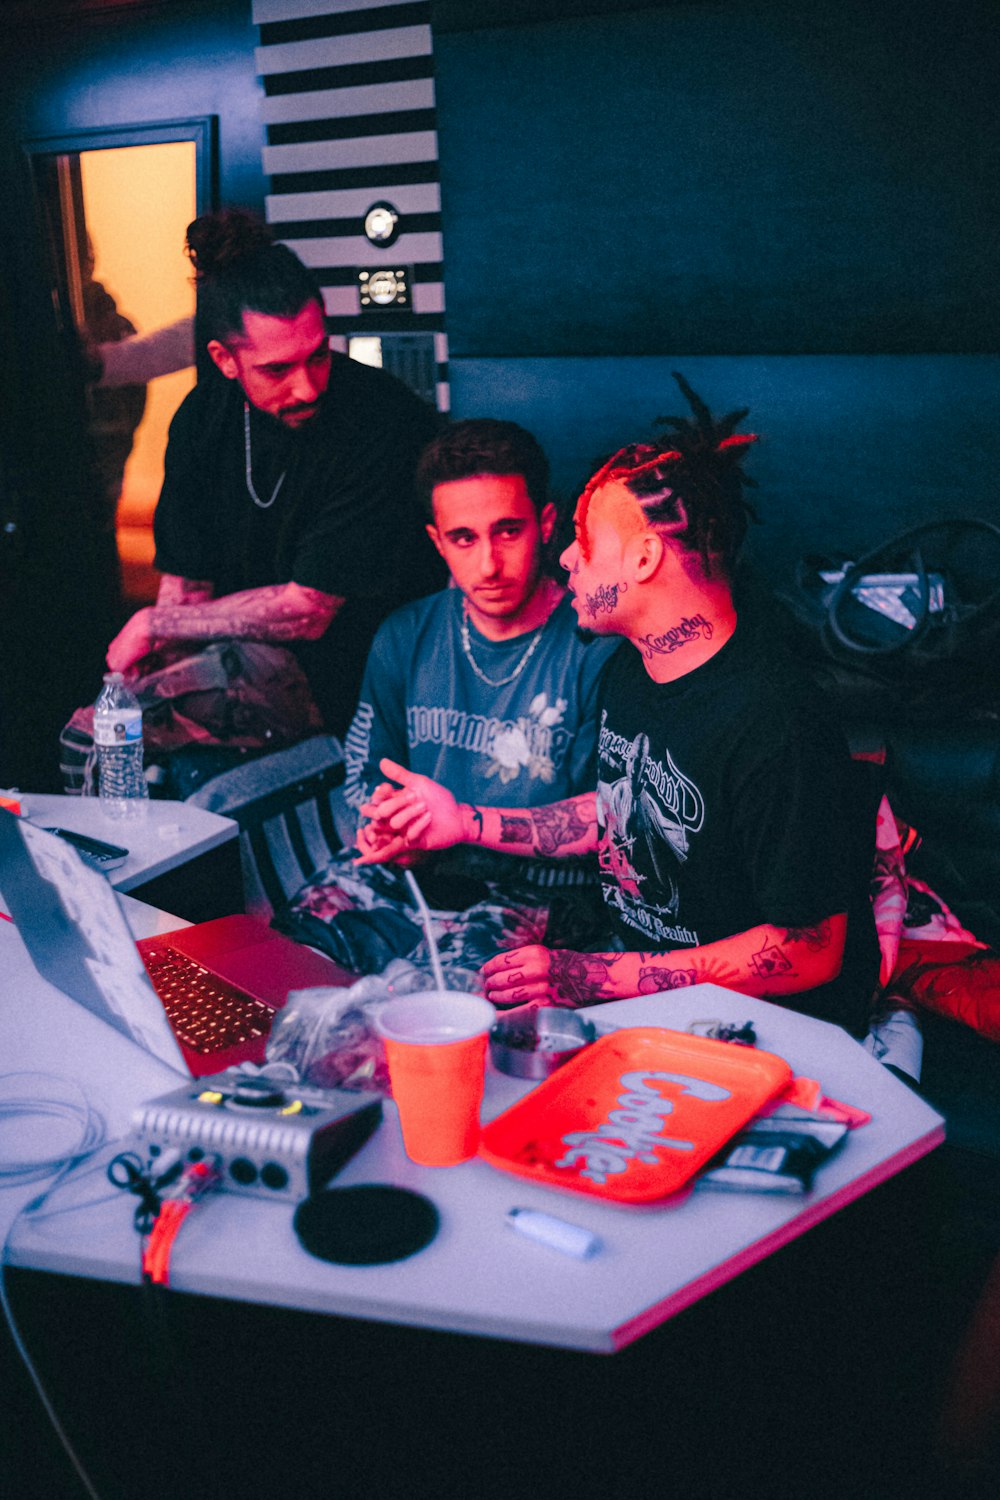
column 365, row 1225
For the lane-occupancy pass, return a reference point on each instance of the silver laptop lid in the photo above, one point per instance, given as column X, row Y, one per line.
column 74, row 928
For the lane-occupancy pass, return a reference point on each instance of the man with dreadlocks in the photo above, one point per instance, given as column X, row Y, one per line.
column 723, row 814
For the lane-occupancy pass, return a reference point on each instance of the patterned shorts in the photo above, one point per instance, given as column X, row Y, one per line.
column 365, row 917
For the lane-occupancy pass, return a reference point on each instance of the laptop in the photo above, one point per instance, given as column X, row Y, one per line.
column 201, row 998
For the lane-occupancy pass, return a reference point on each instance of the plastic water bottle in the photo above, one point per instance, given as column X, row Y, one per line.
column 118, row 742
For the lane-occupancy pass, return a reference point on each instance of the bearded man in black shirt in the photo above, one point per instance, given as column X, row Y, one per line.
column 726, row 819
column 287, row 513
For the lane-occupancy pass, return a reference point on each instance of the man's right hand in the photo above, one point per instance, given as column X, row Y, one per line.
column 418, row 815
column 134, row 641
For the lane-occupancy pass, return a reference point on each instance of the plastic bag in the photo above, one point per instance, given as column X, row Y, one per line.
column 329, row 1035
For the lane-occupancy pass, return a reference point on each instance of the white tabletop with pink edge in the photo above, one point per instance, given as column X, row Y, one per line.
column 475, row 1276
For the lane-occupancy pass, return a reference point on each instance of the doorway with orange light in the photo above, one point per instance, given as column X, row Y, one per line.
column 114, row 207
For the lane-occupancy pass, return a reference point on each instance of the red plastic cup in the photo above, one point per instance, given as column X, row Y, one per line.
column 435, row 1045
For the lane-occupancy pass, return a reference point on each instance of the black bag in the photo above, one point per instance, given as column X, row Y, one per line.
column 911, row 629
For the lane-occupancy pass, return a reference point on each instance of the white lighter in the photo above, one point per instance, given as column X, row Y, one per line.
column 571, row 1239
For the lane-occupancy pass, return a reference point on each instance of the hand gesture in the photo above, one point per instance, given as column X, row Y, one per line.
column 134, row 641
column 416, row 816
column 372, row 839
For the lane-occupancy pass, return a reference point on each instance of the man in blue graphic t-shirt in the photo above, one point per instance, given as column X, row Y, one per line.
column 490, row 688
column 732, row 841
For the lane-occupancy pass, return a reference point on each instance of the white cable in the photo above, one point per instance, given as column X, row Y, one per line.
column 78, row 1112
column 425, row 917
column 91, row 1136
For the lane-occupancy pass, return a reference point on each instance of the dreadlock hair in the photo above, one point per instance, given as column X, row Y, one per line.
column 483, row 445
column 240, row 268
column 692, row 488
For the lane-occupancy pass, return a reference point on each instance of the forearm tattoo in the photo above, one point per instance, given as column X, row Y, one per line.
column 558, row 825
column 515, row 830
column 264, row 614
column 815, row 938
column 653, row 978
column 691, row 628
column 716, row 970
column 769, row 961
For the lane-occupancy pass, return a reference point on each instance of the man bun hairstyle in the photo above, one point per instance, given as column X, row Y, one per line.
column 483, row 445
column 238, row 268
column 691, row 483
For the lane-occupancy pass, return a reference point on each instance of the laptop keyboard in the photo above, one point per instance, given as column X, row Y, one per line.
column 207, row 1014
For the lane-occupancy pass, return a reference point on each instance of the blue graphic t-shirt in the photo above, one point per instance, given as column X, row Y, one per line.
column 521, row 743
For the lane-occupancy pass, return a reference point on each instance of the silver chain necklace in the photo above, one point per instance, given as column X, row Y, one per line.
column 467, row 648
column 261, row 504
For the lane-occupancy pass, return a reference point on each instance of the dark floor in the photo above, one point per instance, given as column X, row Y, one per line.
column 827, row 1370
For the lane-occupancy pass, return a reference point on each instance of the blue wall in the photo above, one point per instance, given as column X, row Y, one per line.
column 159, row 62
column 718, row 177
column 852, row 448
column 795, row 205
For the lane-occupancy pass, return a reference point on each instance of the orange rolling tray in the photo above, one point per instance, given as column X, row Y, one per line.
column 634, row 1116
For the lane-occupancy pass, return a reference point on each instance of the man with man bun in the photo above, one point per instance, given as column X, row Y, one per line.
column 287, row 513
column 724, row 817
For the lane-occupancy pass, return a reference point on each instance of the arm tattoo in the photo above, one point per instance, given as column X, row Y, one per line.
column 514, row 830
column 653, row 978
column 769, row 961
column 815, row 938
column 557, row 826
column 704, row 969
column 263, row 614
column 581, row 978
column 691, row 628
column 717, row 971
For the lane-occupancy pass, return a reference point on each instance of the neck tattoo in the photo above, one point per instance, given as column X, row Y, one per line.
column 522, row 663
column 691, row 628
column 261, row 504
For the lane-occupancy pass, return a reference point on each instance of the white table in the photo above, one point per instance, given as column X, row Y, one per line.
column 476, row 1276
column 166, row 836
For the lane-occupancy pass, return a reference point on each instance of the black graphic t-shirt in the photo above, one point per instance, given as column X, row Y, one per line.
column 725, row 800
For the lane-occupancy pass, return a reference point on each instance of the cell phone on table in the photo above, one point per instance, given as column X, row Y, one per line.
column 93, row 851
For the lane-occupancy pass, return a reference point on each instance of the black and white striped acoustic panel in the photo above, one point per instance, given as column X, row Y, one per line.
column 349, row 124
